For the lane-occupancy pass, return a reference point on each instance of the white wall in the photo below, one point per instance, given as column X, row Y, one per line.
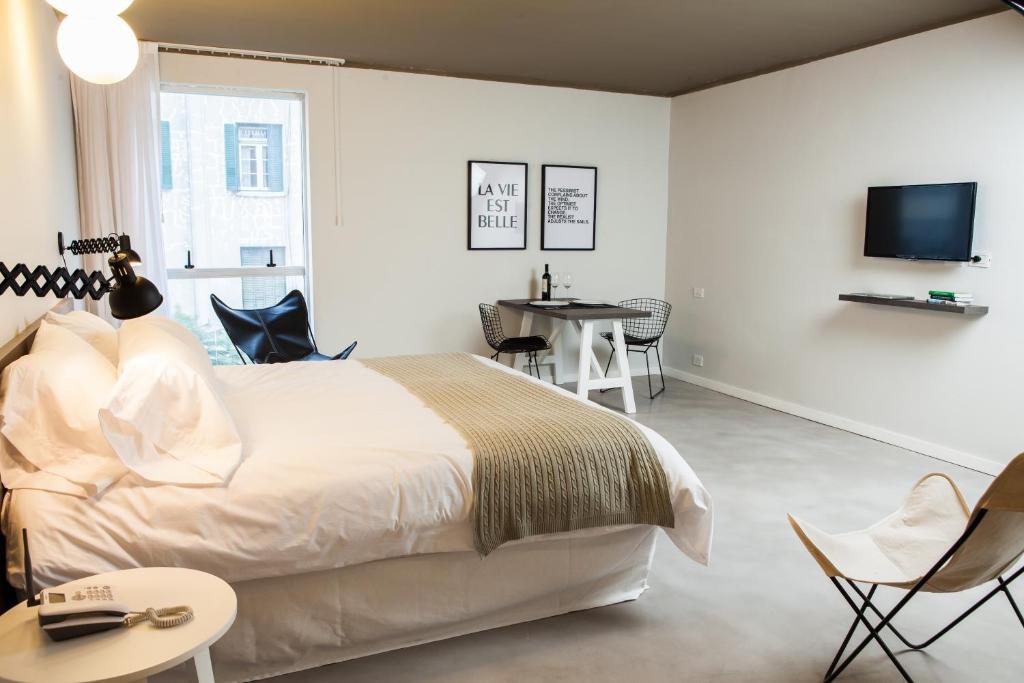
column 395, row 273
column 38, row 192
column 768, row 180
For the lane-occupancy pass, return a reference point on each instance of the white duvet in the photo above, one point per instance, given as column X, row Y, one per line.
column 341, row 466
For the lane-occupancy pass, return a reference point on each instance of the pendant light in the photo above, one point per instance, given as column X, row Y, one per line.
column 94, row 42
column 93, row 7
column 99, row 49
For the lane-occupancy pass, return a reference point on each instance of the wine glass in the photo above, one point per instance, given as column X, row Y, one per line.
column 567, row 281
column 554, row 285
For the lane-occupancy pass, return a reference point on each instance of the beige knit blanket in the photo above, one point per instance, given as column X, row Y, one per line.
column 543, row 462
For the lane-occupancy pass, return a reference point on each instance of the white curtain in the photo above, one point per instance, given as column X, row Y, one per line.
column 117, row 136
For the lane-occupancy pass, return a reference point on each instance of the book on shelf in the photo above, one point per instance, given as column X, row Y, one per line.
column 948, row 302
column 959, row 297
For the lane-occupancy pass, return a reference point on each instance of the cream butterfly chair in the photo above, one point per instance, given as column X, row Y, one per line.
column 933, row 543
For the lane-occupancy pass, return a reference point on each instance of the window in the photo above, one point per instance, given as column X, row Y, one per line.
column 166, row 169
column 253, row 157
column 233, row 153
column 260, row 292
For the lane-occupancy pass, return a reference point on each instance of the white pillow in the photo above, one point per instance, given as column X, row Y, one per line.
column 18, row 473
column 100, row 334
column 51, row 399
column 166, row 419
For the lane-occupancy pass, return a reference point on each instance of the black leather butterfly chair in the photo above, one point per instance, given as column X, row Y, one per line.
column 276, row 334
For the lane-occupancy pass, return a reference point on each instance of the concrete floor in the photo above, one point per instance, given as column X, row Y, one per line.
column 763, row 611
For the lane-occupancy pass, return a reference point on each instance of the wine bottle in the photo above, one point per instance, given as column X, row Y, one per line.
column 545, row 285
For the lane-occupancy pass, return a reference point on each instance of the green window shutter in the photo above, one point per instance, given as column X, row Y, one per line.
column 231, row 156
column 166, row 170
column 275, row 158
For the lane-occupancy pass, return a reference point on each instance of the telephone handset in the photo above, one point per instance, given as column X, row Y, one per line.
column 73, row 611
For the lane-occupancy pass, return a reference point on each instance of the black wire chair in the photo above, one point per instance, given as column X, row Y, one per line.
column 642, row 335
column 276, row 334
column 497, row 340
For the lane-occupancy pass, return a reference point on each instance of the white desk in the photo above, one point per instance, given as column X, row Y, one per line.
column 583, row 319
column 123, row 655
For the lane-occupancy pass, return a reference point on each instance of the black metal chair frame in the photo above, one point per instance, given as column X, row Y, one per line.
column 532, row 365
column 644, row 349
column 874, row 631
column 641, row 328
column 495, row 335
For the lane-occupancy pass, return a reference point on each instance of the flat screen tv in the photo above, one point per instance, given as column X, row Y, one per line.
column 926, row 222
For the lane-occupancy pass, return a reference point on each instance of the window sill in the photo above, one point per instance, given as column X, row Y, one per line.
column 198, row 273
column 259, row 193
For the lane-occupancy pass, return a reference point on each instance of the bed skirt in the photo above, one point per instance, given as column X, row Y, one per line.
column 291, row 623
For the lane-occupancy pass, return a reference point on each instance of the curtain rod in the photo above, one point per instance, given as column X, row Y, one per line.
column 178, row 48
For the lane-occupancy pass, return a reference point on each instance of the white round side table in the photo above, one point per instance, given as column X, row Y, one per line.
column 123, row 655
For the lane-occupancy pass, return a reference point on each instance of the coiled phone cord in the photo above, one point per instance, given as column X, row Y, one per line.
column 165, row 617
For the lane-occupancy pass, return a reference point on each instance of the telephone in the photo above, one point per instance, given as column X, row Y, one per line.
column 73, row 611
column 79, row 611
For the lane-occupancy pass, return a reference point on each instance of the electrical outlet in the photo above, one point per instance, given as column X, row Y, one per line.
column 698, row 292
column 697, row 360
column 984, row 261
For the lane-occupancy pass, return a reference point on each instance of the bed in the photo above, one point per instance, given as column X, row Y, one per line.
column 345, row 530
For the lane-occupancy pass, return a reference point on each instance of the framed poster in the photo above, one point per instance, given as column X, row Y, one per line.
column 568, row 210
column 497, row 205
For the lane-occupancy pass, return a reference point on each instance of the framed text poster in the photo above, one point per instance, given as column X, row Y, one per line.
column 568, row 207
column 497, row 205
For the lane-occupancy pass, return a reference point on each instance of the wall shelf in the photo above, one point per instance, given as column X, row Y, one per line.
column 921, row 304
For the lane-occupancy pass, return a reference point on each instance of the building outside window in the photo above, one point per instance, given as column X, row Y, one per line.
column 260, row 292
column 260, row 163
column 233, row 175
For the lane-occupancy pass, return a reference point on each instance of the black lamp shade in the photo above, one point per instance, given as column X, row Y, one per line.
column 125, row 247
column 1016, row 4
column 132, row 296
column 136, row 300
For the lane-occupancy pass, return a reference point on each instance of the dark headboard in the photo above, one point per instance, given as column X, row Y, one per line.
column 10, row 352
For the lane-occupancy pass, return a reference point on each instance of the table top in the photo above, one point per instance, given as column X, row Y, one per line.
column 27, row 655
column 575, row 312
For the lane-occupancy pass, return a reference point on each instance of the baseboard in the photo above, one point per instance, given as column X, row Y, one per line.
column 910, row 443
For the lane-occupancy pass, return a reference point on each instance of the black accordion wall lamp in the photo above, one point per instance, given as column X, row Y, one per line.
column 131, row 295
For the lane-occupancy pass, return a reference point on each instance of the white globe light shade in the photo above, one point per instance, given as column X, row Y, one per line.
column 100, row 50
column 90, row 7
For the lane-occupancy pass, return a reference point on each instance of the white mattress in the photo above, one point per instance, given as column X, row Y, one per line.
column 342, row 466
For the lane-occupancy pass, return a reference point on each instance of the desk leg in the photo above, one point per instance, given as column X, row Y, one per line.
column 598, row 370
column 586, row 356
column 204, row 669
column 622, row 360
column 524, row 331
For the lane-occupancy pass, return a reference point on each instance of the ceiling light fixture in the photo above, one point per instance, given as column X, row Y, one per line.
column 100, row 49
column 93, row 7
column 94, row 42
